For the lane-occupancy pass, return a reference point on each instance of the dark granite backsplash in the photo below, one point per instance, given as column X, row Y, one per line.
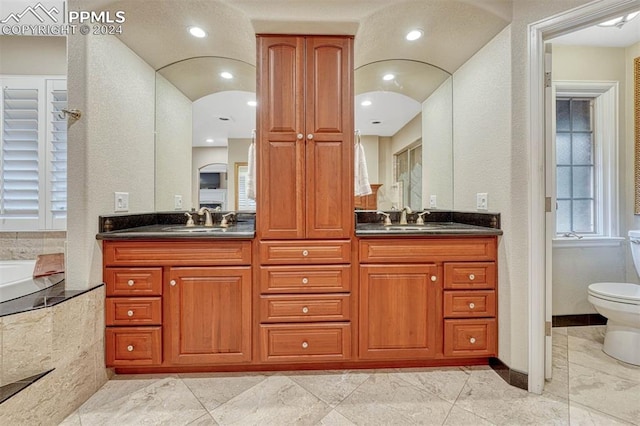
column 127, row 221
column 488, row 220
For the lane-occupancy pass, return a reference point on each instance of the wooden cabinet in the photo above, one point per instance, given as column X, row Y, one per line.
column 398, row 317
column 305, row 134
column 428, row 298
column 208, row 315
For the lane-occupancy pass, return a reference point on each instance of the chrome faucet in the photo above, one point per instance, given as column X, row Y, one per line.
column 225, row 222
column 208, row 220
column 403, row 215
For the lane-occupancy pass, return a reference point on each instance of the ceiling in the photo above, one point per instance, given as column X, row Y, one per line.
column 626, row 36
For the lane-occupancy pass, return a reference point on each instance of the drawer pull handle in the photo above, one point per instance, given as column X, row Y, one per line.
column 300, row 136
column 131, row 283
column 305, row 253
column 305, row 345
column 305, row 280
column 433, row 278
column 472, row 305
column 172, row 283
column 305, row 310
column 472, row 277
column 472, row 340
column 130, row 348
column 129, row 313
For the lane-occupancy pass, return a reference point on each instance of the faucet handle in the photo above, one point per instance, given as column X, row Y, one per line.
column 190, row 220
column 387, row 218
column 420, row 220
column 225, row 222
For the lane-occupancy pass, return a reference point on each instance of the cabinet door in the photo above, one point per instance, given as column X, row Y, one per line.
column 280, row 158
column 208, row 315
column 329, row 137
column 398, row 311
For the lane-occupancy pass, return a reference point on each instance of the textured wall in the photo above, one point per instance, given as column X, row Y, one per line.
column 33, row 55
column 173, row 145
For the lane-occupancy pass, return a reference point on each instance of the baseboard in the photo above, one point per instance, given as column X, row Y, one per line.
column 577, row 320
column 513, row 377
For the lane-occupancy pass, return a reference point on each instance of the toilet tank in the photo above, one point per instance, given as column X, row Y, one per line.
column 634, row 241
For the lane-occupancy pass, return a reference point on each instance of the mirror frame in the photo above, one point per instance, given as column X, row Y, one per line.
column 636, row 109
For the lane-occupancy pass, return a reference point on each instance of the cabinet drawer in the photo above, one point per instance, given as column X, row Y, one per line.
column 304, row 252
column 132, row 346
column 305, row 279
column 305, row 342
column 304, row 308
column 412, row 250
column 192, row 253
column 470, row 338
column 470, row 275
column 134, row 311
column 133, row 281
column 468, row 304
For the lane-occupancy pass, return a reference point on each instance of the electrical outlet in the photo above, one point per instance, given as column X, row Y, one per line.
column 482, row 201
column 432, row 202
column 177, row 202
column 121, row 202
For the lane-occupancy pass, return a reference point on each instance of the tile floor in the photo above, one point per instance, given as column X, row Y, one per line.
column 589, row 388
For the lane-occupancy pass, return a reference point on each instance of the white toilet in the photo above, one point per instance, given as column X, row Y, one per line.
column 620, row 304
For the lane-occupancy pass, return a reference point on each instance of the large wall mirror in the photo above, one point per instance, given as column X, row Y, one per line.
column 205, row 114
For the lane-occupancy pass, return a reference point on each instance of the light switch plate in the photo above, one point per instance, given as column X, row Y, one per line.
column 121, row 202
column 432, row 202
column 482, row 201
column 177, row 202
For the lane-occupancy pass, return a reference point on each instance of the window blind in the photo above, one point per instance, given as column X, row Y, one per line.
column 57, row 155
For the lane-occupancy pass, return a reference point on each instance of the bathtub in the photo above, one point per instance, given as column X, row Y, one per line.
column 16, row 279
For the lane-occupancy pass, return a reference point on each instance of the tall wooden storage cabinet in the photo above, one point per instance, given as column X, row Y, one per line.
column 305, row 122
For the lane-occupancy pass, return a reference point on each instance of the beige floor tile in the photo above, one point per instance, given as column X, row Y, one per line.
column 583, row 416
column 588, row 353
column 460, row 417
column 443, row 382
column 166, row 402
column 385, row 399
column 559, row 383
column 118, row 387
column 335, row 419
column 213, row 390
column 72, row 419
column 276, row 400
column 331, row 387
column 609, row 394
column 205, row 420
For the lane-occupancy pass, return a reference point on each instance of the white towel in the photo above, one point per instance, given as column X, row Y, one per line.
column 361, row 175
column 251, row 172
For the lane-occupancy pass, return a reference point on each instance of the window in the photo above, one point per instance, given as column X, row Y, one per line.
column 586, row 152
column 408, row 172
column 33, row 154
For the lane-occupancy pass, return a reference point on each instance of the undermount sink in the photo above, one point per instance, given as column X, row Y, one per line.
column 204, row 229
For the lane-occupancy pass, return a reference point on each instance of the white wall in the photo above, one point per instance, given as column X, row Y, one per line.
column 201, row 156
column 111, row 148
column 173, row 146
column 574, row 268
column 482, row 156
column 437, row 147
column 26, row 55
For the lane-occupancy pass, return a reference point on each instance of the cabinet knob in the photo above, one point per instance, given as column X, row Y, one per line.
column 172, row 283
column 305, row 345
column 305, row 252
column 433, row 278
column 305, row 310
column 131, row 283
column 472, row 340
column 130, row 348
column 305, row 280
column 472, row 277
column 129, row 313
column 310, row 136
column 300, row 136
column 472, row 305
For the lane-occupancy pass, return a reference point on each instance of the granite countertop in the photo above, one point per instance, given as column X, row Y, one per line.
column 429, row 228
column 164, row 231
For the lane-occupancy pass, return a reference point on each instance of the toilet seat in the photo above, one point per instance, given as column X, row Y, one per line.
column 616, row 292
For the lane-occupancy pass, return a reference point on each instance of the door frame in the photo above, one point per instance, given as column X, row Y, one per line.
column 538, row 32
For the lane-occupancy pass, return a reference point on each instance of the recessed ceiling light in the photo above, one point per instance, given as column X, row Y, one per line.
column 388, row 77
column 252, row 103
column 226, row 75
column 414, row 35
column 209, row 140
column 365, row 103
column 197, row 32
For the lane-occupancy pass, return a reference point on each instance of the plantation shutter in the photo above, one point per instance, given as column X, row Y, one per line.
column 57, row 155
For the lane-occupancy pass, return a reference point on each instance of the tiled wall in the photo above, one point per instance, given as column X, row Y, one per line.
column 27, row 245
column 67, row 337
